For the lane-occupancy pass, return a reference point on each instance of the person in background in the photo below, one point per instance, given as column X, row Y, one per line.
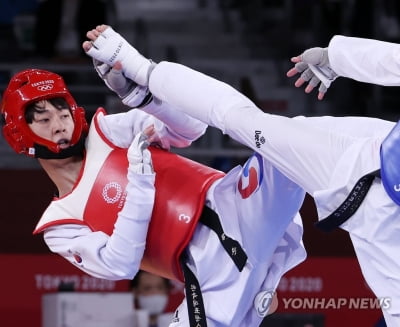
column 151, row 293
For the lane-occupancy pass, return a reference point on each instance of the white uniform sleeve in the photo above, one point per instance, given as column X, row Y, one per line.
column 365, row 60
column 110, row 257
column 173, row 128
column 177, row 123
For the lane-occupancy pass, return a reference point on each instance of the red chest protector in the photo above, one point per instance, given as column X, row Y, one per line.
column 181, row 186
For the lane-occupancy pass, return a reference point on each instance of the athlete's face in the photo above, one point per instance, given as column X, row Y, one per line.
column 53, row 124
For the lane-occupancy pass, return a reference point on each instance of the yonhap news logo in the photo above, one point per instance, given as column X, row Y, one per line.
column 263, row 303
column 353, row 303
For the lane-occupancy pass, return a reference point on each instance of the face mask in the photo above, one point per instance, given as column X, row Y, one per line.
column 154, row 304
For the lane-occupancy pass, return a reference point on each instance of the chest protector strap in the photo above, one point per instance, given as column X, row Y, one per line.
column 389, row 175
column 181, row 187
column 350, row 205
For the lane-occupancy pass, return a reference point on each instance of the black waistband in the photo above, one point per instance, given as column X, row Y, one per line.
column 194, row 298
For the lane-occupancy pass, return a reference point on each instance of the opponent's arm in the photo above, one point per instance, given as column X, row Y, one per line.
column 364, row 60
column 178, row 128
column 121, row 128
column 117, row 256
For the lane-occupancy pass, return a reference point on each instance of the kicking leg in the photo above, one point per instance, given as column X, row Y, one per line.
column 306, row 155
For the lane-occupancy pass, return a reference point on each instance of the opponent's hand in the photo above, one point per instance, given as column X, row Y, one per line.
column 109, row 47
column 139, row 156
column 132, row 94
column 313, row 64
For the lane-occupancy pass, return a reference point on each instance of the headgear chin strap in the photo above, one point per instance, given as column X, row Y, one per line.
column 74, row 150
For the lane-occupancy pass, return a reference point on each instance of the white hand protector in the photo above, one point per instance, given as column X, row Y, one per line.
column 139, row 156
column 133, row 95
column 316, row 69
column 110, row 47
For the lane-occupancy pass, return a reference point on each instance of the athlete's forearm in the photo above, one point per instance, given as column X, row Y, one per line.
column 121, row 128
column 127, row 242
column 365, row 60
column 180, row 129
column 112, row 257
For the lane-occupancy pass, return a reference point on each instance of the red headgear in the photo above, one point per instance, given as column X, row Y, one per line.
column 30, row 86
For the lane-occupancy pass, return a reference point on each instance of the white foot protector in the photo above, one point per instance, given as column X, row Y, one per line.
column 111, row 47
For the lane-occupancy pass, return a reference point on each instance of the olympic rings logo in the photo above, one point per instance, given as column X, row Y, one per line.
column 46, row 87
column 112, row 187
